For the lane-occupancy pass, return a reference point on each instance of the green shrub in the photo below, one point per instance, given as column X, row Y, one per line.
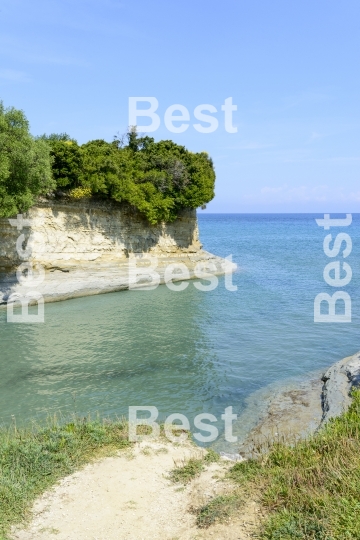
column 25, row 164
column 218, row 509
column 67, row 160
column 157, row 178
column 187, row 472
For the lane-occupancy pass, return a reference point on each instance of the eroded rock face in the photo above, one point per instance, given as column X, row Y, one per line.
column 86, row 247
column 338, row 381
column 64, row 233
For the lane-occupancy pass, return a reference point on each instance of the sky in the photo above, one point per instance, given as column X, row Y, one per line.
column 291, row 68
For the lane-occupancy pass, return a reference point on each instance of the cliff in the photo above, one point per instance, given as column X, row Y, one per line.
column 86, row 248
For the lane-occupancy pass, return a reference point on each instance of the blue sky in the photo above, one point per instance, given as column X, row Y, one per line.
column 292, row 69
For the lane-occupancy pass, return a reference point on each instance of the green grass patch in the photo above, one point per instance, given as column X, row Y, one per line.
column 191, row 469
column 211, row 456
column 32, row 460
column 187, row 472
column 310, row 490
column 218, row 509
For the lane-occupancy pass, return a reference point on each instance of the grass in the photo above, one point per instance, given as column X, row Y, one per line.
column 32, row 460
column 308, row 491
column 185, row 473
column 218, row 509
column 193, row 467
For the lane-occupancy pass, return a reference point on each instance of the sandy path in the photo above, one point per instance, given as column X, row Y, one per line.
column 128, row 497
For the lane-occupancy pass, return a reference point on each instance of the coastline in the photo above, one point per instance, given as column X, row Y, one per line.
column 208, row 498
column 89, row 247
column 298, row 408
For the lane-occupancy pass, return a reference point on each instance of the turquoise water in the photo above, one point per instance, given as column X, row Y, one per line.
column 187, row 352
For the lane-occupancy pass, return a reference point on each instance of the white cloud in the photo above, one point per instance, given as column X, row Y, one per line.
column 24, row 51
column 13, row 75
column 354, row 196
column 267, row 189
column 315, row 136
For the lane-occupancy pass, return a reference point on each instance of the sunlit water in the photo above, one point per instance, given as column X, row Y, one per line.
column 187, row 352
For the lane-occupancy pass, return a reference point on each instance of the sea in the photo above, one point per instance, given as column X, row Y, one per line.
column 189, row 352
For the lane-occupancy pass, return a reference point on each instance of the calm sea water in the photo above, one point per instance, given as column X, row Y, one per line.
column 187, row 352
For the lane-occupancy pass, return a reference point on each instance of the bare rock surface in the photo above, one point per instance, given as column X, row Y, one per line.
column 291, row 413
column 338, row 381
column 90, row 247
column 298, row 409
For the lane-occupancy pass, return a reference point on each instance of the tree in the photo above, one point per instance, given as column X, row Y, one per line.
column 156, row 178
column 101, row 166
column 67, row 160
column 25, row 164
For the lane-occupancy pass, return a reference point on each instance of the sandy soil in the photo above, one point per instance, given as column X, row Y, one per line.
column 128, row 497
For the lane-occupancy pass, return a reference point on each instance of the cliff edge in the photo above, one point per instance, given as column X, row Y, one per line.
column 90, row 247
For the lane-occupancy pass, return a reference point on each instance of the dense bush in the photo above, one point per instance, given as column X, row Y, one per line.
column 67, row 160
column 157, row 178
column 25, row 164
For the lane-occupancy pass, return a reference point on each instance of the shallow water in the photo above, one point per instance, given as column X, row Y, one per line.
column 190, row 351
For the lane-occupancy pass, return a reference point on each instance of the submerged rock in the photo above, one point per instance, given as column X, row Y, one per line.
column 293, row 413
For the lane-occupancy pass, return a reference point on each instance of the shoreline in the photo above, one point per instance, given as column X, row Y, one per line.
column 107, row 277
column 88, row 247
column 105, row 461
column 297, row 409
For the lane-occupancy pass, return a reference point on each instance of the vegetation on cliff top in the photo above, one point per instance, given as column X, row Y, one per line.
column 25, row 165
column 157, row 178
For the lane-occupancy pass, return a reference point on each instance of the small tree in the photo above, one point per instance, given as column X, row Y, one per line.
column 67, row 160
column 25, row 164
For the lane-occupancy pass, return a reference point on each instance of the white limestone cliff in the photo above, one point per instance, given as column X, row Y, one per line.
column 87, row 247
